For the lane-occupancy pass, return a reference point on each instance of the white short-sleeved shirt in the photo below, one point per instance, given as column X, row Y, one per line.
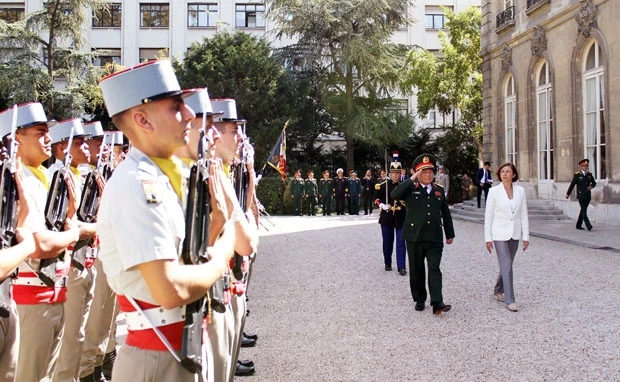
column 140, row 220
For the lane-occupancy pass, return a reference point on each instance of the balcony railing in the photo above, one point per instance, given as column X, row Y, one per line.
column 505, row 17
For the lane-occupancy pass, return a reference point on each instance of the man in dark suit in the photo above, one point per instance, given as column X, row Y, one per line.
column 585, row 182
column 483, row 181
column 428, row 217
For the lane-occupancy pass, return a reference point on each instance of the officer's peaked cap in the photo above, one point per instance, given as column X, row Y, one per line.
column 424, row 161
column 140, row 84
column 200, row 103
column 28, row 115
column 227, row 107
column 93, row 129
column 586, row 160
column 62, row 130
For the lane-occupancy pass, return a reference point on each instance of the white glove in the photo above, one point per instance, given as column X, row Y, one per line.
column 384, row 207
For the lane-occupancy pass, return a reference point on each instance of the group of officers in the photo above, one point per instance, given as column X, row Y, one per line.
column 127, row 258
column 352, row 190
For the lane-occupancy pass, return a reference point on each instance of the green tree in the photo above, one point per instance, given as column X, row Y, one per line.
column 451, row 80
column 64, row 78
column 241, row 66
column 350, row 40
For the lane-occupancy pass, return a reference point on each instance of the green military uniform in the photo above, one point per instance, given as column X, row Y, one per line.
column 297, row 192
column 311, row 190
column 355, row 190
column 584, row 180
column 325, row 195
column 428, row 217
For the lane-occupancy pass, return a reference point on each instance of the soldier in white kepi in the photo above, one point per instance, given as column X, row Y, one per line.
column 141, row 226
column 40, row 291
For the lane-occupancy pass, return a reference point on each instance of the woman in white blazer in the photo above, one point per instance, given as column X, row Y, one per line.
column 505, row 222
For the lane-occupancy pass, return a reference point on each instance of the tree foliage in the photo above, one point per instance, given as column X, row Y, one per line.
column 350, row 41
column 240, row 66
column 453, row 79
column 63, row 78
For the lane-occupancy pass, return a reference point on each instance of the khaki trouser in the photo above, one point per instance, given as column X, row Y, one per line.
column 41, row 329
column 221, row 336
column 9, row 344
column 80, row 292
column 100, row 326
column 239, row 309
column 134, row 364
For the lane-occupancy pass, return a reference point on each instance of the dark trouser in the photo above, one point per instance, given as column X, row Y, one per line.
column 311, row 203
column 367, row 201
column 388, row 245
column 486, row 192
column 583, row 213
column 297, row 200
column 326, row 201
column 340, row 204
column 354, row 205
column 418, row 251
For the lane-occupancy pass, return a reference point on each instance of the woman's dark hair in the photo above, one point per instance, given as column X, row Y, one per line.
column 515, row 173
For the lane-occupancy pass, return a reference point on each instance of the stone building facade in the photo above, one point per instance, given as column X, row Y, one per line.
column 552, row 96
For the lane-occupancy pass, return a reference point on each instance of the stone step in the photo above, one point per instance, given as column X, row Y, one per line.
column 537, row 210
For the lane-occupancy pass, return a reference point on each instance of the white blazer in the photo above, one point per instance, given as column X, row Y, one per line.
column 501, row 223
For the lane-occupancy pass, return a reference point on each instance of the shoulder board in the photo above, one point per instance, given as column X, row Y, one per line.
column 437, row 185
column 578, row 172
column 378, row 185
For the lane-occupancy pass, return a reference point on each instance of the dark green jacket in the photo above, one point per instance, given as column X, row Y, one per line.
column 582, row 182
column 311, row 188
column 428, row 216
column 298, row 187
column 325, row 187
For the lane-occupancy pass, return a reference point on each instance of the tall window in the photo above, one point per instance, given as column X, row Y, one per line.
column 201, row 15
column 107, row 56
column 108, row 18
column 508, row 3
column 154, row 15
column 510, row 104
column 434, row 21
column 544, row 118
column 250, row 16
column 152, row 54
column 12, row 14
column 594, row 110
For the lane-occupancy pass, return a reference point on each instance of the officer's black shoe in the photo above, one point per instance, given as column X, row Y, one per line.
column 589, row 228
column 402, row 271
column 108, row 364
column 248, row 343
column 419, row 306
column 388, row 267
column 439, row 307
column 251, row 336
column 580, row 228
column 241, row 370
column 246, row 363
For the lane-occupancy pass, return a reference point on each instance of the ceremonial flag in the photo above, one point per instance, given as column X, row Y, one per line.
column 277, row 158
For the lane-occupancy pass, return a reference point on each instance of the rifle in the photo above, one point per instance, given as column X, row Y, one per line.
column 8, row 190
column 240, row 182
column 56, row 208
column 89, row 203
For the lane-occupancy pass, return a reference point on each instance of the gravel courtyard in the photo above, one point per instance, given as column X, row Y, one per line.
column 325, row 310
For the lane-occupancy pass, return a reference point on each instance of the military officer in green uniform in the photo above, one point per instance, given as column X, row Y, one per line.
column 297, row 193
column 585, row 182
column 325, row 193
column 427, row 213
column 355, row 191
column 311, row 190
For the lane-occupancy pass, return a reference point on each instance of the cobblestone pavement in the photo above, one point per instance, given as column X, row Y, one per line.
column 325, row 309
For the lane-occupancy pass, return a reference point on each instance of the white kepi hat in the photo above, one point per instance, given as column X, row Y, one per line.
column 28, row 115
column 228, row 108
column 140, row 84
column 118, row 137
column 62, row 130
column 200, row 103
column 93, row 129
